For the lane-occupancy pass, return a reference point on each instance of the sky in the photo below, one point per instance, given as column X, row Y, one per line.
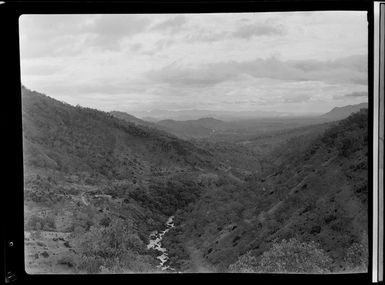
column 300, row 62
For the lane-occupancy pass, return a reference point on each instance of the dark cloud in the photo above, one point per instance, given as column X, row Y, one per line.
column 62, row 35
column 248, row 31
column 188, row 76
column 45, row 27
column 110, row 30
column 119, row 25
column 163, row 43
column 171, row 25
column 356, row 95
column 355, row 62
column 136, row 47
column 207, row 36
column 296, row 98
column 243, row 32
column 94, row 86
column 345, row 70
column 352, row 95
column 41, row 70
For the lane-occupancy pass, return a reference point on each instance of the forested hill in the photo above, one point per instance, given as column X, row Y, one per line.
column 76, row 139
column 314, row 201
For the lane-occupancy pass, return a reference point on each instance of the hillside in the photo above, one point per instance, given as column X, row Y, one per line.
column 88, row 172
column 67, row 138
column 129, row 118
column 339, row 113
column 315, row 191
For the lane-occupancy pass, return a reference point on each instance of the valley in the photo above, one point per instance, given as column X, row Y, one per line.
column 111, row 193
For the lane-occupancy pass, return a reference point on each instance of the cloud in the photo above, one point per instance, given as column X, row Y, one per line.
column 352, row 95
column 171, row 25
column 248, row 31
column 207, row 36
column 44, row 27
column 40, row 70
column 62, row 35
column 136, row 47
column 242, row 32
column 180, row 76
column 109, row 30
column 344, row 70
column 357, row 95
column 193, row 60
column 296, row 98
column 163, row 44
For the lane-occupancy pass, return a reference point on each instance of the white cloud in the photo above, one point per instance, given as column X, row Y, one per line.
column 298, row 61
column 351, row 69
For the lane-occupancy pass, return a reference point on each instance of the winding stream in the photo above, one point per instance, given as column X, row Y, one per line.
column 156, row 243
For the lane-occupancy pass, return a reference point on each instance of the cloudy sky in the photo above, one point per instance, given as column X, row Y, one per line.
column 291, row 62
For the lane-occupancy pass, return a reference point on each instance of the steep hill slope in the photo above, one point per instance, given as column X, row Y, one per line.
column 90, row 177
column 315, row 191
column 66, row 138
column 132, row 119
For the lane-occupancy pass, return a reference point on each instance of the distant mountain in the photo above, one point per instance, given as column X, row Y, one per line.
column 202, row 127
column 150, row 119
column 237, row 130
column 195, row 114
column 339, row 113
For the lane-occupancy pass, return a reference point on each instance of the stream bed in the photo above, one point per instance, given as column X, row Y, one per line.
column 156, row 243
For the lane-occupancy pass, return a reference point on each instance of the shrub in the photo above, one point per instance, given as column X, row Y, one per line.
column 247, row 263
column 44, row 254
column 91, row 264
column 38, row 223
column 105, row 221
column 290, row 256
column 36, row 234
column 356, row 258
column 295, row 256
column 66, row 260
column 115, row 248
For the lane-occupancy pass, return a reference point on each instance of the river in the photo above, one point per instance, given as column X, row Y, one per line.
column 156, row 243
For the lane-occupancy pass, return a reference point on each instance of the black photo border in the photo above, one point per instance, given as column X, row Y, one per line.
column 12, row 189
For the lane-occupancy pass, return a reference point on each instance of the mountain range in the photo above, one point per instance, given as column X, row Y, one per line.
column 214, row 127
column 194, row 114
